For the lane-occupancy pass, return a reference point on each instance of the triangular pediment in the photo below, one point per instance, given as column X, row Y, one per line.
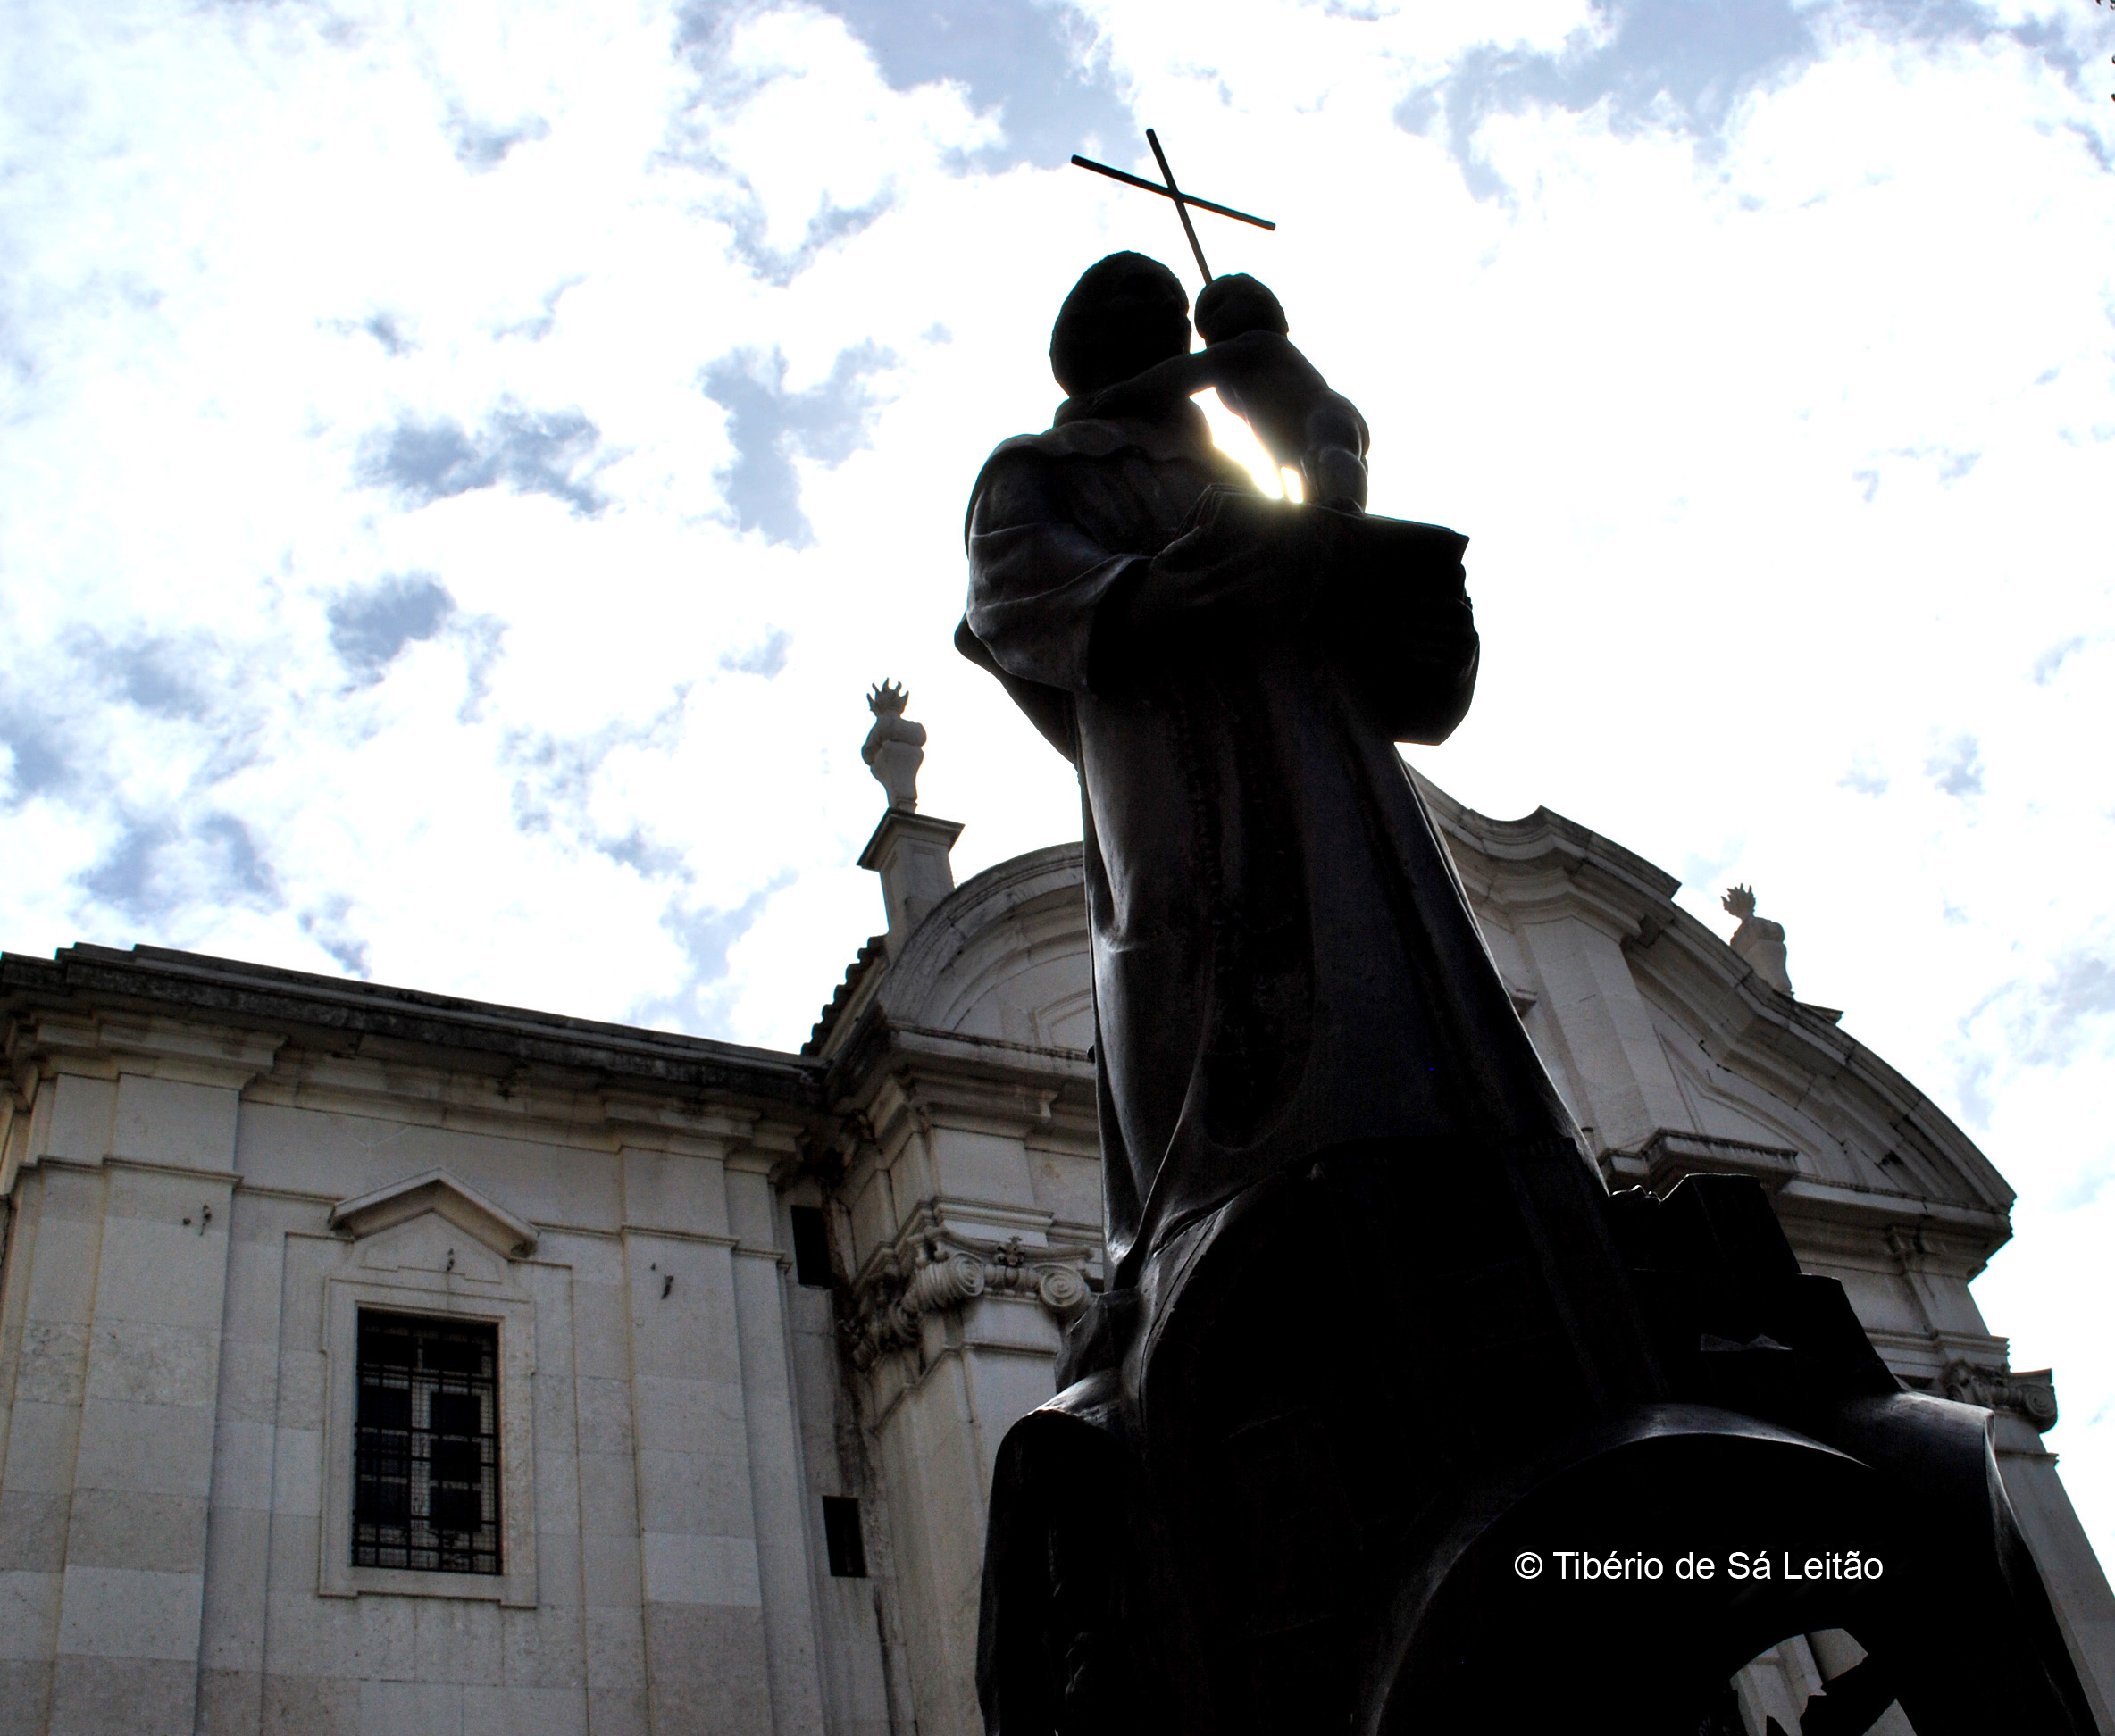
column 441, row 1194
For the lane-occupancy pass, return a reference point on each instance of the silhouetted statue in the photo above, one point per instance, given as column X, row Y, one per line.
column 1263, row 379
column 1374, row 1323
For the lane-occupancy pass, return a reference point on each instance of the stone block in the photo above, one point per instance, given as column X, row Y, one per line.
column 558, row 1569
column 456, row 1640
column 616, row 1641
column 664, row 1191
column 396, row 1708
column 142, row 1362
column 611, row 1576
column 242, row 1466
column 609, row 1501
column 557, row 1491
column 690, row 1569
column 29, row 1615
column 169, row 1121
column 542, row 1648
column 52, row 1367
column 304, row 1634
column 385, row 1636
column 156, row 1267
column 986, row 1168
column 303, row 1373
column 114, row 1435
column 705, row 1672
column 138, row 1696
column 32, row 1532
column 230, row 1702
column 683, row 1416
column 601, row 1323
column 687, row 1334
column 82, row 1112
column 753, row 1208
column 297, row 1471
column 873, row 1219
column 310, row 1706
column 157, row 1533
column 25, row 1697
column 125, row 1612
column 591, row 1258
column 41, row 1440
column 256, row 1250
column 702, row 1491
column 238, row 1575
column 605, row 1414
column 524, row 1712
column 249, row 1379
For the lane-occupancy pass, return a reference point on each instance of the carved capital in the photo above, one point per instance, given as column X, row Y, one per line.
column 2031, row 1395
column 941, row 1271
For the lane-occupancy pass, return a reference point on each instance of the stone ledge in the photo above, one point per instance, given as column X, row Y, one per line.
column 195, row 985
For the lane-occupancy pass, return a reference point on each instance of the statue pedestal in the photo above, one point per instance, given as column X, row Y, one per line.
column 909, row 852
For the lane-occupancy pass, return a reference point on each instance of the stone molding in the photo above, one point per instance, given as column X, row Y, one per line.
column 2031, row 1394
column 1672, row 1153
column 337, row 1016
column 438, row 1192
column 939, row 1271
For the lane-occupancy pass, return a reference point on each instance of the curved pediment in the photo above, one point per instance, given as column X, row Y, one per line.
column 1005, row 956
column 1673, row 1052
column 1677, row 1054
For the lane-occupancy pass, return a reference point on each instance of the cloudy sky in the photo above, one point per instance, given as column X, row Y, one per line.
column 462, row 465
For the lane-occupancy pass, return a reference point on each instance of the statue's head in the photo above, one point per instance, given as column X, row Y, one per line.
column 1125, row 313
column 1234, row 304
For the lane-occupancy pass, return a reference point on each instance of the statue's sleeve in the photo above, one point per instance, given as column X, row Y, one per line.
column 1037, row 582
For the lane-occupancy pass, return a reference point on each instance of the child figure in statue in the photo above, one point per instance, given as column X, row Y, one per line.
column 1264, row 379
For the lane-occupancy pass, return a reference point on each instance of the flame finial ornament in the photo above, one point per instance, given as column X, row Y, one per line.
column 895, row 746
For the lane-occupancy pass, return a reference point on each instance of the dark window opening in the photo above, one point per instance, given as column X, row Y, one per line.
column 426, row 1444
column 841, row 1538
column 811, row 1246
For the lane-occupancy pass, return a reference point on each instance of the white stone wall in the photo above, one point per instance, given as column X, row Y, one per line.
column 170, row 1474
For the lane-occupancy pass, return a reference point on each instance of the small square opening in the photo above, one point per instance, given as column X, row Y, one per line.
column 811, row 1246
column 842, row 1537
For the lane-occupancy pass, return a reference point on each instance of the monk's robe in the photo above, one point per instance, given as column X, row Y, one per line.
column 1284, row 960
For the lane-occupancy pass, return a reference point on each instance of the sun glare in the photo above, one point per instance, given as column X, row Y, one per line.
column 1233, row 437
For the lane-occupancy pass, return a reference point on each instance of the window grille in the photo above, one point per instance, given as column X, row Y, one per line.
column 426, row 1444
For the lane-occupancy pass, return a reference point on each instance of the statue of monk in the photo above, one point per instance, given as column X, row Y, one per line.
column 1375, row 1333
column 1290, row 992
column 1283, row 962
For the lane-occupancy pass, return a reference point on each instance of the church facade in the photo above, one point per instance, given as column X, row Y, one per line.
column 373, row 1361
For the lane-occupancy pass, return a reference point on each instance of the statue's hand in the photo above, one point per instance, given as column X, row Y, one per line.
column 1245, row 558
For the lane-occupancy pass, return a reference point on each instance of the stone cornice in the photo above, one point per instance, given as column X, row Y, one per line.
column 877, row 1050
column 342, row 1017
column 1534, row 868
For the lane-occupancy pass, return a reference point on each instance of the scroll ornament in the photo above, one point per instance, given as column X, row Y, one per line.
column 939, row 1275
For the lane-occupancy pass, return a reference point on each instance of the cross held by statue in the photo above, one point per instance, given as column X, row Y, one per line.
column 1182, row 201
